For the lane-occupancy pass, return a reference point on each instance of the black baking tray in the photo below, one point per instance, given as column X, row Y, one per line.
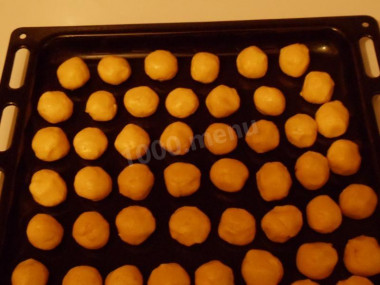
column 334, row 47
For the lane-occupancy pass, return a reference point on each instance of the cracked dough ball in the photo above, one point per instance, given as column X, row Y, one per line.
column 177, row 138
column 214, row 272
column 73, row 73
column 161, row 65
column 222, row 101
column 101, row 106
column 141, row 102
column 81, row 275
column 301, row 130
column 262, row 136
column 132, row 142
column 169, row 274
column 252, row 62
column 220, row 138
column 332, row 119
column 30, row 272
column 318, row 87
column 93, row 183
column 269, row 101
column 355, row 280
column 55, row 107
column 114, row 69
column 229, row 175
column 204, row 67
column 294, row 59
column 304, row 282
column 344, row 157
column 90, row 143
column 125, row 275
column 181, row 102
column 182, row 179
column 50, row 144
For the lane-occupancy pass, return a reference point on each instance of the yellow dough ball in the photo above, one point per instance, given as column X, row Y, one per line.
column 135, row 224
column 135, row 181
column 301, row 130
column 55, row 107
column 222, row 101
column 262, row 136
column 220, row 138
column 48, row 188
column 181, row 102
column 30, row 272
column 161, row 65
column 318, row 87
column 252, row 62
column 229, row 174
column 132, row 142
column 81, row 275
column 237, row 226
column 312, row 170
column 141, row 101
column 90, row 143
column 261, row 267
column 344, row 157
column 169, row 274
column 93, row 183
column 214, row 272
column 50, row 144
column 177, row 138
column 304, row 282
column 294, row 59
column 269, row 101
column 114, row 69
column 362, row 256
column 282, row 223
column 44, row 232
column 101, row 106
column 125, row 275
column 189, row 226
column 355, row 280
column 73, row 73
column 204, row 67
column 182, row 179
column 332, row 119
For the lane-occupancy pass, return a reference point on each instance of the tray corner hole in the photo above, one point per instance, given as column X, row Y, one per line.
column 19, row 68
column 22, row 36
column 7, row 126
column 369, row 57
column 376, row 108
column 1, row 181
column 365, row 25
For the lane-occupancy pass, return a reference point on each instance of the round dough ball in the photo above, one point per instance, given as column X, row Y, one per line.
column 126, row 274
column 318, row 87
column 252, row 62
column 48, row 188
column 222, row 101
column 237, row 226
column 114, row 69
column 344, row 157
column 220, row 138
column 55, row 107
column 214, row 272
column 93, row 183
column 177, row 138
column 323, row 214
column 44, row 232
column 30, row 272
column 358, row 201
column 161, row 65
column 229, row 174
column 90, row 143
column 101, row 106
column 50, row 144
column 273, row 181
column 362, row 256
column 204, row 67
column 141, row 101
column 263, row 136
column 189, row 226
column 181, row 102
column 135, row 181
column 301, row 130
column 269, row 101
column 135, row 224
column 304, row 282
column 91, row 230
column 312, row 170
column 355, row 280
column 132, row 142
column 294, row 59
column 182, row 179
column 261, row 267
column 332, row 119
column 169, row 273
column 82, row 274
column 73, row 73
column 282, row 223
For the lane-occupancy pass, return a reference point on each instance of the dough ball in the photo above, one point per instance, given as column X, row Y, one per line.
column 362, row 256
column 261, row 267
column 273, row 181
column 55, row 107
column 182, row 179
column 332, row 119
column 282, row 223
column 161, row 65
column 294, row 59
column 50, row 144
column 125, row 275
column 135, row 181
column 73, row 73
column 358, row 201
column 304, row 282
column 269, row 101
column 355, row 280
column 101, row 106
column 229, row 175
column 214, row 273
column 263, row 136
column 189, row 226
column 114, row 69
column 344, row 157
column 222, row 101
column 169, row 273
column 204, row 67
column 316, row 260
column 237, row 226
column 312, row 170
column 177, row 138
column 30, row 272
column 318, row 87
column 48, row 188
column 90, row 143
column 82, row 274
column 44, row 232
column 132, row 142
column 252, row 62
column 135, row 224
column 301, row 130
column 181, row 102
column 220, row 138
column 141, row 101
column 93, row 183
